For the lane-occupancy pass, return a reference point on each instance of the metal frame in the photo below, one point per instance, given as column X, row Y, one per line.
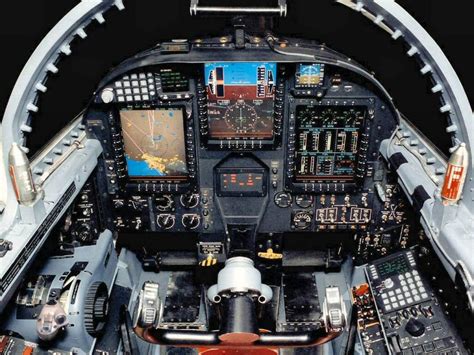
column 280, row 9
column 451, row 228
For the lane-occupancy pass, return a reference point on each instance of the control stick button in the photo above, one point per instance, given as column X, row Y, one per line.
column 415, row 327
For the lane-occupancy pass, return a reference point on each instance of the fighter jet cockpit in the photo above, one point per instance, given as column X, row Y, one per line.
column 247, row 193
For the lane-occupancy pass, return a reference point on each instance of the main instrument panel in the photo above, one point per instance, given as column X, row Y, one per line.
column 252, row 148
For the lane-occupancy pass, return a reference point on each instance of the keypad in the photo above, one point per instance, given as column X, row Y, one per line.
column 409, row 290
column 136, row 87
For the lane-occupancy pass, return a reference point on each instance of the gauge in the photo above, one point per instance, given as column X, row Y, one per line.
column 302, row 220
column 304, row 201
column 328, row 117
column 137, row 203
column 283, row 199
column 189, row 200
column 308, row 119
column 241, row 117
column 191, row 221
column 166, row 221
column 350, row 117
column 164, row 203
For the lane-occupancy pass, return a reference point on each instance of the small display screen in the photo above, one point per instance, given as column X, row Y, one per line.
column 154, row 142
column 309, row 75
column 240, row 99
column 241, row 183
column 394, row 266
column 173, row 80
column 327, row 142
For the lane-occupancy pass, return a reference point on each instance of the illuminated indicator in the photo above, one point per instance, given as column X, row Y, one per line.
column 304, row 140
column 355, row 141
column 328, row 141
column 316, row 142
column 241, row 183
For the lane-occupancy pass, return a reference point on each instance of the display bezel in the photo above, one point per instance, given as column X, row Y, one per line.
column 166, row 180
column 330, row 178
column 221, row 193
column 309, row 86
column 243, row 144
column 331, row 185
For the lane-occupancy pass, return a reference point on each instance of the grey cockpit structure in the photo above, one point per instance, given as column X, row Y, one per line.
column 64, row 167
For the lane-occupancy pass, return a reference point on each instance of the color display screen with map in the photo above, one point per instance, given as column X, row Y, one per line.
column 154, row 143
column 240, row 99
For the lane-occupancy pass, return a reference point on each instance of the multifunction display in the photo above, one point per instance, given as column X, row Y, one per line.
column 241, row 182
column 173, row 80
column 327, row 142
column 309, row 75
column 154, row 143
column 240, row 99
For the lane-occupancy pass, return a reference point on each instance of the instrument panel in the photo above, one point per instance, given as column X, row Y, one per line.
column 258, row 148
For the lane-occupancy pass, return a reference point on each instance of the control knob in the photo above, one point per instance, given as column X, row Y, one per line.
column 415, row 328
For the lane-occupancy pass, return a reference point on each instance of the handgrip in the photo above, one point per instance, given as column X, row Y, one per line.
column 194, row 338
column 280, row 9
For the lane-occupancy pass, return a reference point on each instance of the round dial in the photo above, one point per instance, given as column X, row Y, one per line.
column 309, row 119
column 241, row 117
column 164, row 203
column 166, row 221
column 302, row 220
column 191, row 221
column 189, row 200
column 350, row 117
column 328, row 117
column 283, row 199
column 304, row 201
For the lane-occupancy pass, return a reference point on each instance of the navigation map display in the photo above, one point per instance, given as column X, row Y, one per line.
column 154, row 143
column 240, row 98
column 327, row 142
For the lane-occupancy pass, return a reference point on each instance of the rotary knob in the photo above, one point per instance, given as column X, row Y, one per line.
column 107, row 95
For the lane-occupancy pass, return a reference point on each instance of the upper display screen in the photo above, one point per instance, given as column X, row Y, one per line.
column 240, row 100
column 154, row 143
column 309, row 75
column 327, row 142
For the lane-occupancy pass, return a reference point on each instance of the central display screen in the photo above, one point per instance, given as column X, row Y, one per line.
column 394, row 266
column 241, row 182
column 327, row 142
column 240, row 99
column 154, row 143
